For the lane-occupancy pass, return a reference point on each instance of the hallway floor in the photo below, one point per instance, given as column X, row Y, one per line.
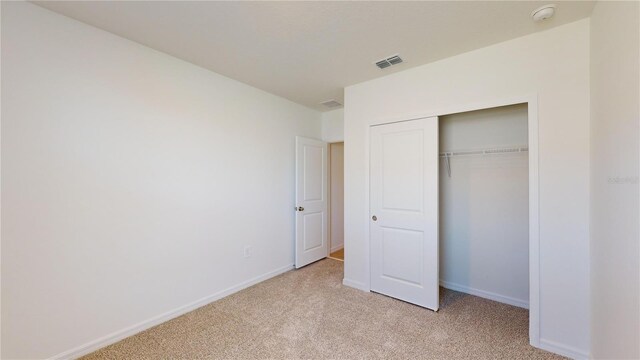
column 338, row 254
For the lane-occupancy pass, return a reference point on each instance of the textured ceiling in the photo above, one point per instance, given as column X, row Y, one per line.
column 309, row 51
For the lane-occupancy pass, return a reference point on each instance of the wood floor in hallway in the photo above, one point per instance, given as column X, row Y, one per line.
column 338, row 254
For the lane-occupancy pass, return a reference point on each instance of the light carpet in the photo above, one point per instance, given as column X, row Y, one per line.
column 309, row 314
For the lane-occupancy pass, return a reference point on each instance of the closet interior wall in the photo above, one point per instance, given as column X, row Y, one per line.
column 484, row 230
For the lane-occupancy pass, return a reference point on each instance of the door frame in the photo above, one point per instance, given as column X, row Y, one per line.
column 329, row 192
column 534, row 200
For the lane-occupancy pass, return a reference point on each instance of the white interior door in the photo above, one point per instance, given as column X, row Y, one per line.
column 404, row 211
column 311, row 201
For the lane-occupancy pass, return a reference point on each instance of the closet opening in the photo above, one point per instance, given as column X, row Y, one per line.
column 484, row 204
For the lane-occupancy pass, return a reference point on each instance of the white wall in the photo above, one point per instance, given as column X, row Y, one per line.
column 484, row 206
column 615, row 247
column 553, row 64
column 333, row 126
column 337, row 195
column 127, row 175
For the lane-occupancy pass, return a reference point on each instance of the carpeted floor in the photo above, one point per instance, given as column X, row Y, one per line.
column 308, row 313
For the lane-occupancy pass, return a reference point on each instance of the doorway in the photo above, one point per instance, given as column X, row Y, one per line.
column 319, row 208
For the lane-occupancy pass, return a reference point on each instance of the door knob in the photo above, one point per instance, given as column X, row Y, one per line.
column 374, row 218
column 300, row 208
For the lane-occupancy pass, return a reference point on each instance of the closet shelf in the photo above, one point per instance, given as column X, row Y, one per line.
column 491, row 151
column 484, row 151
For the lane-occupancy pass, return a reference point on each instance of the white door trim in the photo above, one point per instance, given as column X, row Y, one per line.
column 534, row 200
column 329, row 192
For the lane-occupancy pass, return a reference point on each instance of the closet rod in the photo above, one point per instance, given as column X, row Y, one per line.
column 449, row 154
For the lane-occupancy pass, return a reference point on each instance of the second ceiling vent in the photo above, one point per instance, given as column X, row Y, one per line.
column 331, row 104
column 391, row 60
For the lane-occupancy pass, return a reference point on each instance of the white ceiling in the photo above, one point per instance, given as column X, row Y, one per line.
column 309, row 51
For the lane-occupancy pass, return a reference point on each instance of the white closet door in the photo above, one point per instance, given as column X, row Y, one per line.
column 311, row 201
column 404, row 211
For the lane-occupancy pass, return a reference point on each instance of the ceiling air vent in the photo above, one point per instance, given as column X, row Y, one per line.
column 331, row 104
column 392, row 60
column 383, row 64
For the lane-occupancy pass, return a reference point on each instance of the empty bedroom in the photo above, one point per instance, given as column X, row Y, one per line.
column 320, row 180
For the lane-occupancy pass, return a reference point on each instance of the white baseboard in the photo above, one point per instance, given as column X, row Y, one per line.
column 156, row 320
column 355, row 284
column 485, row 294
column 563, row 350
column 334, row 249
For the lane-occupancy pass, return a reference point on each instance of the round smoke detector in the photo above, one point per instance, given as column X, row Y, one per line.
column 543, row 13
